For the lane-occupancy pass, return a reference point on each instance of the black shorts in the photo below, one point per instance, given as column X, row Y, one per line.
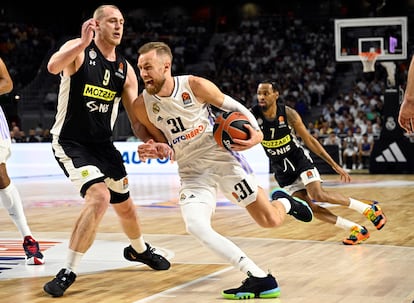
column 288, row 169
column 89, row 163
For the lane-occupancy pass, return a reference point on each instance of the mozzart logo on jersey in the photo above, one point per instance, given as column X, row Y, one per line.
column 98, row 92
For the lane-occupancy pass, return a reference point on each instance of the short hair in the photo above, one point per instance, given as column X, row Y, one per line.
column 99, row 11
column 161, row 48
column 272, row 83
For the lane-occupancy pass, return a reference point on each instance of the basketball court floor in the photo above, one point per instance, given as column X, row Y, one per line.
column 308, row 259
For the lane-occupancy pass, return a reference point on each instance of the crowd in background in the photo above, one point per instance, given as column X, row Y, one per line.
column 297, row 53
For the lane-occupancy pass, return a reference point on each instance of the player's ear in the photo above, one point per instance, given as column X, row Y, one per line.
column 167, row 66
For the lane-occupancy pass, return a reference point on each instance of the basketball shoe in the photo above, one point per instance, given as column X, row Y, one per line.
column 358, row 235
column 60, row 283
column 32, row 250
column 376, row 215
column 254, row 287
column 148, row 257
column 299, row 208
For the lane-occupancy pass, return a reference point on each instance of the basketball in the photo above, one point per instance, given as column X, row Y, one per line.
column 229, row 126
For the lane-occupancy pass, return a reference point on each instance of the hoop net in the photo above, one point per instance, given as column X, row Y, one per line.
column 368, row 60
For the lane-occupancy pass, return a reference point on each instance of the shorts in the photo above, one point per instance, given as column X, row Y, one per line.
column 89, row 163
column 306, row 177
column 288, row 170
column 5, row 151
column 217, row 169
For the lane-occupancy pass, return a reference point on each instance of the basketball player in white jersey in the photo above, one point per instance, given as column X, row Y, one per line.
column 9, row 195
column 176, row 110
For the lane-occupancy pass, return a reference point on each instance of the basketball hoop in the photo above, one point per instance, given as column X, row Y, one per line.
column 368, row 60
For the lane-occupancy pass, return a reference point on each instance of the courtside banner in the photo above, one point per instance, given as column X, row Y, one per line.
column 36, row 159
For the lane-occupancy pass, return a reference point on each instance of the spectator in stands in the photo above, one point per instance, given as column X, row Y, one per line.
column 350, row 149
column 365, row 146
column 32, row 137
column 17, row 135
column 333, row 139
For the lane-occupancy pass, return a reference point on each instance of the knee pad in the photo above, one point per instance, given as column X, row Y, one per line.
column 118, row 197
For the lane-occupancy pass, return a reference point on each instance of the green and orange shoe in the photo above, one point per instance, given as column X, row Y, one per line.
column 357, row 236
column 376, row 215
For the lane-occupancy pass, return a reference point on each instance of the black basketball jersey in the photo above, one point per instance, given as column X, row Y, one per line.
column 288, row 159
column 278, row 139
column 88, row 101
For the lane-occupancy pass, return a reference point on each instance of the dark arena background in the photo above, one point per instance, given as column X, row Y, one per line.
column 311, row 49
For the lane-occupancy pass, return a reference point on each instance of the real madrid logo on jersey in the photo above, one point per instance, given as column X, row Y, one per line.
column 155, row 108
column 92, row 56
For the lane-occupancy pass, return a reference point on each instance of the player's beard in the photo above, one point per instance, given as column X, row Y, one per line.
column 155, row 87
column 263, row 107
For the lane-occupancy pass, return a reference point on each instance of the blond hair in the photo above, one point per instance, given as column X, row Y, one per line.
column 99, row 12
column 161, row 48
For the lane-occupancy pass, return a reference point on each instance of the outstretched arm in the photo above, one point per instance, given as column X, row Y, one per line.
column 296, row 122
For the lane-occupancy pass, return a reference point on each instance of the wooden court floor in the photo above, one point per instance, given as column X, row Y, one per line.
column 308, row 259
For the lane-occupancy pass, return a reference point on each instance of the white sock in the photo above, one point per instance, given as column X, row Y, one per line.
column 286, row 203
column 345, row 224
column 138, row 244
column 358, row 205
column 248, row 266
column 72, row 261
column 11, row 200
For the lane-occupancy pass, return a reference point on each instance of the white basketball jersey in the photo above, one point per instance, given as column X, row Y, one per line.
column 186, row 123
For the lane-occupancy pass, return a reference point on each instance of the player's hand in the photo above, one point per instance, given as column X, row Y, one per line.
column 88, row 31
column 345, row 177
column 406, row 117
column 155, row 150
column 256, row 136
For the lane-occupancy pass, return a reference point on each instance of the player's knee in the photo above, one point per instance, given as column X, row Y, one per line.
column 118, row 197
column 195, row 228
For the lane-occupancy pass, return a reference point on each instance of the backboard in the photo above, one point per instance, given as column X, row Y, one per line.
column 385, row 35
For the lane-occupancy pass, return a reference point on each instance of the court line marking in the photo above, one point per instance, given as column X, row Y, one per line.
column 165, row 293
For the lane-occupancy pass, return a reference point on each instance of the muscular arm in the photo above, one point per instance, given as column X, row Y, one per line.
column 206, row 91
column 141, row 125
column 155, row 144
column 70, row 56
column 406, row 114
column 296, row 122
column 6, row 83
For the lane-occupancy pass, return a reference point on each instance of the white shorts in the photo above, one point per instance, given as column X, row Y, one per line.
column 217, row 169
column 308, row 176
column 5, row 151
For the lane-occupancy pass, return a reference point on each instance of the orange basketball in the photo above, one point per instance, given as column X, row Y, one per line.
column 229, row 126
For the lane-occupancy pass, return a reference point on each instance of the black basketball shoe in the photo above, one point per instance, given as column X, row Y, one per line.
column 299, row 208
column 60, row 283
column 148, row 257
column 254, row 287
